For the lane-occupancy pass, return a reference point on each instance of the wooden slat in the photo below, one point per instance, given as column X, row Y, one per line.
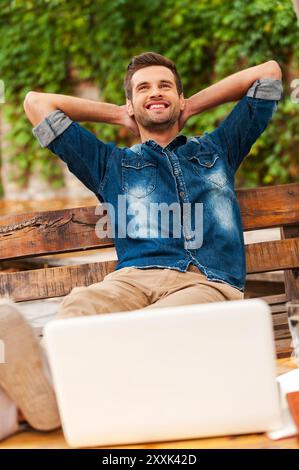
column 269, row 206
column 291, row 278
column 258, row 288
column 283, row 348
column 282, row 335
column 52, row 282
column 282, row 332
column 278, row 308
column 275, row 299
column 280, row 319
column 272, row 256
column 38, row 233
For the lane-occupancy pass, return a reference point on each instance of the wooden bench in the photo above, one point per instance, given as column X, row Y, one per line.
column 24, row 236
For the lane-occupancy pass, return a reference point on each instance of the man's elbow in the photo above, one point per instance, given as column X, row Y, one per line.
column 37, row 106
column 34, row 100
column 31, row 104
column 272, row 70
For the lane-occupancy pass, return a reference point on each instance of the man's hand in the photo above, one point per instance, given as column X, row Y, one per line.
column 185, row 114
column 128, row 121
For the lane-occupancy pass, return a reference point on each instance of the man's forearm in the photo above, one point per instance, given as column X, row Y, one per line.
column 231, row 88
column 38, row 105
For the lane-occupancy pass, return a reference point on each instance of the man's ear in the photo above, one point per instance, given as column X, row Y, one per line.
column 129, row 107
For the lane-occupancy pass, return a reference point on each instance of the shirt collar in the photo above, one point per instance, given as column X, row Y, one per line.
column 176, row 142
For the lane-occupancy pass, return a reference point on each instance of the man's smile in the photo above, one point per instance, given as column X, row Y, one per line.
column 157, row 105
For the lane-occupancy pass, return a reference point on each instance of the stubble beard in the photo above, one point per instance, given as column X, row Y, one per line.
column 155, row 125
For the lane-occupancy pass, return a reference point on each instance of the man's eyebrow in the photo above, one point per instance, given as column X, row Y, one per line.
column 160, row 81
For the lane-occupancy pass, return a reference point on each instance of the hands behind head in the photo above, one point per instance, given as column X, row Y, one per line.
column 128, row 121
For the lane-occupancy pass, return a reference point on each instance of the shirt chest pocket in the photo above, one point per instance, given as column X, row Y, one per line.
column 209, row 166
column 139, row 176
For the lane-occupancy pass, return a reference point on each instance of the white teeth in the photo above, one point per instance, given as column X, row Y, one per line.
column 157, row 106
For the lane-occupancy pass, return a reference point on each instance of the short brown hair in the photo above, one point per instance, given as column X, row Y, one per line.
column 146, row 60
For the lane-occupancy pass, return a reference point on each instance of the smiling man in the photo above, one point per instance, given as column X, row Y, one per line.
column 194, row 252
column 164, row 168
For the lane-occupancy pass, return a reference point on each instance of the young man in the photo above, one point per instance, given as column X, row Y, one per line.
column 193, row 178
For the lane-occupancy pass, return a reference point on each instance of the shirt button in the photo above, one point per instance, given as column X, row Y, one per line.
column 176, row 172
column 182, row 194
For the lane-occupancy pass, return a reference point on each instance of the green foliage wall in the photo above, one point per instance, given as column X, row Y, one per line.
column 44, row 41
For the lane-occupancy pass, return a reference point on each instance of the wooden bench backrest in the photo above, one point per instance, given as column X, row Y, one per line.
column 43, row 233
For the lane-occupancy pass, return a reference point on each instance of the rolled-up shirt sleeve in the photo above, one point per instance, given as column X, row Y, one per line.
column 51, row 127
column 86, row 156
column 266, row 89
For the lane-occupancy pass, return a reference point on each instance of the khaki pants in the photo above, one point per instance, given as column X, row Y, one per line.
column 133, row 289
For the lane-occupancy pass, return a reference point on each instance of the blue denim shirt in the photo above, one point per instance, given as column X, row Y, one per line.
column 187, row 171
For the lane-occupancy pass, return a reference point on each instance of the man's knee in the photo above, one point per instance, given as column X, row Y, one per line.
column 89, row 300
column 74, row 295
column 76, row 303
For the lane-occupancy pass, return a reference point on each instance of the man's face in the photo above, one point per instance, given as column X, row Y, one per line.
column 156, row 104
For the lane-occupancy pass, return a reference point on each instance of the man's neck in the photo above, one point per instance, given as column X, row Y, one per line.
column 162, row 138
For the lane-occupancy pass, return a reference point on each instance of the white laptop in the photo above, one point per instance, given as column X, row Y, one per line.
column 165, row 374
